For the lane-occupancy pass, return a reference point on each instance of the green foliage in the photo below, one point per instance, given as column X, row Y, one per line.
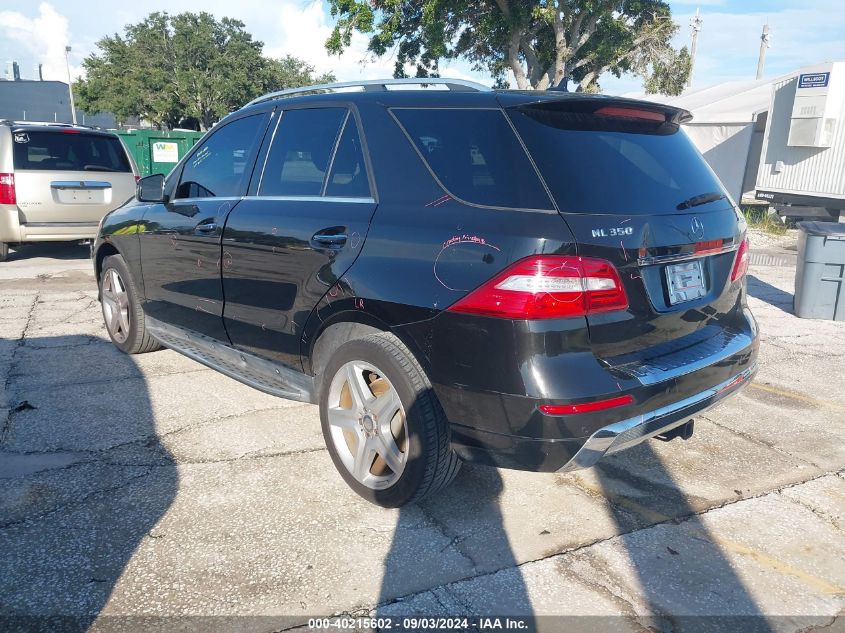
column 540, row 42
column 765, row 219
column 188, row 67
column 669, row 75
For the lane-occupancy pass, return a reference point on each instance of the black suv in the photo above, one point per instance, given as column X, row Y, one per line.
column 525, row 279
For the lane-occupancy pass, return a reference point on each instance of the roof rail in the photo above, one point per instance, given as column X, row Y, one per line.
column 459, row 85
column 14, row 122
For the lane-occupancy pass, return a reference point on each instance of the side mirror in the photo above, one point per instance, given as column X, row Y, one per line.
column 151, row 189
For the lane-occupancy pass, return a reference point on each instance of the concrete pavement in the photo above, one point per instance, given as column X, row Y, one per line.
column 152, row 486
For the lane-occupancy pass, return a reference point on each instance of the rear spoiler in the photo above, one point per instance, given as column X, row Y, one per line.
column 597, row 112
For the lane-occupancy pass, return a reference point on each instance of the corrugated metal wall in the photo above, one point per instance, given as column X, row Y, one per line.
column 806, row 170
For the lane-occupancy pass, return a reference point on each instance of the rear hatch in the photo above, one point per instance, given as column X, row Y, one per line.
column 636, row 192
column 69, row 175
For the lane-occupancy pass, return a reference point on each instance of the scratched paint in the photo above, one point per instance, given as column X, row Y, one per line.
column 439, row 201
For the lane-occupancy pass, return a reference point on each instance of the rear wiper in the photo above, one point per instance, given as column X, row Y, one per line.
column 704, row 198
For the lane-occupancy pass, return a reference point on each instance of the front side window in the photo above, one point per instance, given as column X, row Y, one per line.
column 475, row 155
column 302, row 151
column 222, row 165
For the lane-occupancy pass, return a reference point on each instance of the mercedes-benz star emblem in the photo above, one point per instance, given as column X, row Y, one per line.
column 697, row 228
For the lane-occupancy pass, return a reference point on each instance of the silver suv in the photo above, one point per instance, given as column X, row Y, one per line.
column 58, row 181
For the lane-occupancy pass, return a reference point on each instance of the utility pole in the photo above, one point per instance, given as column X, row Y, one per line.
column 70, row 86
column 695, row 27
column 764, row 44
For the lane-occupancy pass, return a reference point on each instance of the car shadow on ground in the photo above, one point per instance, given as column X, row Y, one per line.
column 776, row 297
column 52, row 250
column 84, row 481
column 684, row 579
column 451, row 556
column 683, row 574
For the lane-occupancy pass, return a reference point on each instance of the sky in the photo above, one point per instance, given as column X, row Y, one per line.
column 802, row 33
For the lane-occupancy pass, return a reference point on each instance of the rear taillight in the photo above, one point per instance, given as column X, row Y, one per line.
column 7, row 189
column 625, row 112
column 741, row 261
column 548, row 287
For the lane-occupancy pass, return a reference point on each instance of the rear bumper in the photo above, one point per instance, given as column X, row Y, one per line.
column 58, row 231
column 12, row 230
column 627, row 433
column 509, row 430
column 564, row 455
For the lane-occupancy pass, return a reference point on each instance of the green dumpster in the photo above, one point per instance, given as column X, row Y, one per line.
column 157, row 151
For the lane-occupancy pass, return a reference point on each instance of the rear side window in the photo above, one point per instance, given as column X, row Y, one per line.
column 613, row 166
column 222, row 165
column 348, row 178
column 68, row 150
column 301, row 152
column 475, row 155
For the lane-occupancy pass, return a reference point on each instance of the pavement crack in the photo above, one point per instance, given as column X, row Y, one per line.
column 624, row 605
column 76, row 502
column 759, row 442
column 255, row 455
column 821, row 514
column 827, row 626
column 455, row 538
column 153, row 440
column 8, row 422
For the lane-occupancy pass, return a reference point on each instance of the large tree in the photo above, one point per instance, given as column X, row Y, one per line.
column 186, row 67
column 542, row 42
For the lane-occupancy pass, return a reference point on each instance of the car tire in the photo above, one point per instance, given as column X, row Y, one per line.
column 392, row 406
column 122, row 312
column 4, row 251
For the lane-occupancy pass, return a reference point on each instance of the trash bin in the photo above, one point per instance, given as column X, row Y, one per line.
column 820, row 276
column 155, row 151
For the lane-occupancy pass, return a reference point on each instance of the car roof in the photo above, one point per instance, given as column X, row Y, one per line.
column 46, row 126
column 456, row 99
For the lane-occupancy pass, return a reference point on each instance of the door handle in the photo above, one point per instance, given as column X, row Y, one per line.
column 330, row 239
column 206, row 227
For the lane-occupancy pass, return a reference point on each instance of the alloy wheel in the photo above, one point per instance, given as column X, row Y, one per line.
column 116, row 305
column 367, row 425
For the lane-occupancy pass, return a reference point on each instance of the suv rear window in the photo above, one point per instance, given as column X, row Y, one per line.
column 613, row 167
column 475, row 155
column 68, row 151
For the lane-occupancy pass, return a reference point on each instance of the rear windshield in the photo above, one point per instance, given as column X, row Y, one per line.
column 63, row 151
column 475, row 155
column 601, row 169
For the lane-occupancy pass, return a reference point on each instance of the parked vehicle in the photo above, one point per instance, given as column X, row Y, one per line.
column 57, row 181
column 524, row 279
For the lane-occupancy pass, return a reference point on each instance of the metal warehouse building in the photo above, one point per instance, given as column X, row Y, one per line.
column 26, row 100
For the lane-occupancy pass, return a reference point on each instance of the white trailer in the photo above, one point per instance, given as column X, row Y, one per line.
column 802, row 165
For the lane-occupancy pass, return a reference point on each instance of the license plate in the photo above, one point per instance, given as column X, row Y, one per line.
column 686, row 281
column 81, row 196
